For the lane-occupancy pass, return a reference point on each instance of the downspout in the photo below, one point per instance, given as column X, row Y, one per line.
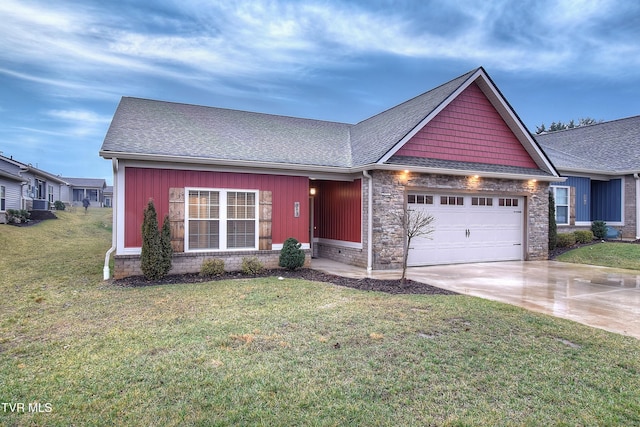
column 369, row 222
column 106, row 273
column 635, row 175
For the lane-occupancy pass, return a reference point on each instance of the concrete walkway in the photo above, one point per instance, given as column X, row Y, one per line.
column 601, row 297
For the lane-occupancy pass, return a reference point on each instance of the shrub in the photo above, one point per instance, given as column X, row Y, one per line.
column 165, row 243
column 212, row 267
column 17, row 216
column 251, row 265
column 553, row 227
column 583, row 236
column 60, row 206
column 155, row 248
column 291, row 256
column 599, row 229
column 566, row 239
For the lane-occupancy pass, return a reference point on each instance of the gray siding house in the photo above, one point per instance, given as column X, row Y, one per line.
column 601, row 164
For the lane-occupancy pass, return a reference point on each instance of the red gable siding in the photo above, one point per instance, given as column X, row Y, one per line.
column 142, row 184
column 338, row 210
column 469, row 129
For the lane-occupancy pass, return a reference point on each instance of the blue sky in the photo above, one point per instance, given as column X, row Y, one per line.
column 64, row 65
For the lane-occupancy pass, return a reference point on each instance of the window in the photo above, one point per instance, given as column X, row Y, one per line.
column 451, row 200
column 51, row 193
column 561, row 196
column 40, row 192
column 420, row 199
column 507, row 202
column 3, row 198
column 221, row 219
column 482, row 201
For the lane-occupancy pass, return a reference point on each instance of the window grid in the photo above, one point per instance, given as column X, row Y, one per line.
column 420, row 199
column 561, row 197
column 507, row 202
column 221, row 219
column 452, row 200
column 482, row 201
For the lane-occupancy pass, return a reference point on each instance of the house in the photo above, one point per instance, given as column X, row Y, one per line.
column 601, row 163
column 107, row 200
column 23, row 186
column 90, row 188
column 237, row 183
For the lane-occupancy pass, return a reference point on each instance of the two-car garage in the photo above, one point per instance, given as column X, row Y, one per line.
column 468, row 228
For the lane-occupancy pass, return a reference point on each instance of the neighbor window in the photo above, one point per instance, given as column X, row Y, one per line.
column 561, row 196
column 222, row 219
column 2, row 198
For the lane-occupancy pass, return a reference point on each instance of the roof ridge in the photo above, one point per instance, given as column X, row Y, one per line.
column 469, row 73
column 236, row 110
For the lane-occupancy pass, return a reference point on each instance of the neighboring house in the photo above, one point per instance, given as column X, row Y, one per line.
column 236, row 183
column 11, row 184
column 91, row 188
column 601, row 163
column 107, row 200
column 35, row 190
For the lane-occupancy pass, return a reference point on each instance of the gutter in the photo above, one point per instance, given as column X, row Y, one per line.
column 106, row 272
column 370, row 221
column 321, row 170
column 635, row 175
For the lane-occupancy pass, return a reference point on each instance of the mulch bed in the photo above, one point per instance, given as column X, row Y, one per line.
column 363, row 284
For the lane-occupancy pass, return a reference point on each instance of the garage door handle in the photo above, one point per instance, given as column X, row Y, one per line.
column 467, row 233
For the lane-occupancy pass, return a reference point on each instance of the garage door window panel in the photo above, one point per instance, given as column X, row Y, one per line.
column 452, row 200
column 420, row 199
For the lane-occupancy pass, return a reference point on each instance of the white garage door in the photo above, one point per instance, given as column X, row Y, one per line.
column 468, row 228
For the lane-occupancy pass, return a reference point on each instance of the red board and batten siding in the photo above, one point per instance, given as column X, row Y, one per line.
column 338, row 210
column 469, row 129
column 142, row 184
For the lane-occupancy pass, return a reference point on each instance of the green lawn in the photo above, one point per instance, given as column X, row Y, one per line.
column 290, row 352
column 608, row 254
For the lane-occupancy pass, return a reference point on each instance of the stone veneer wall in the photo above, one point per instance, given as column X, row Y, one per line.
column 390, row 188
column 182, row 263
column 629, row 228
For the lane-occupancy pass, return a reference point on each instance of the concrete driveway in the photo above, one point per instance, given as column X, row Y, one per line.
column 601, row 297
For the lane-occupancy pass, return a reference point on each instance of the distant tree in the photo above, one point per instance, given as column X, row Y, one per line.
column 556, row 126
column 415, row 224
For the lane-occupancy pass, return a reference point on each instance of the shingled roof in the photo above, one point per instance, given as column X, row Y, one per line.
column 608, row 148
column 148, row 129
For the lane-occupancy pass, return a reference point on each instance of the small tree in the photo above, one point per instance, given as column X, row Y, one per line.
column 291, row 255
column 415, row 224
column 155, row 259
column 165, row 243
column 599, row 229
column 553, row 227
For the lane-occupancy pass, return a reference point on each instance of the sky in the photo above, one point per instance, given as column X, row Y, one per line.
column 64, row 65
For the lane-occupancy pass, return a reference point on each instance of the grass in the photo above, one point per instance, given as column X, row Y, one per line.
column 607, row 254
column 290, row 352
